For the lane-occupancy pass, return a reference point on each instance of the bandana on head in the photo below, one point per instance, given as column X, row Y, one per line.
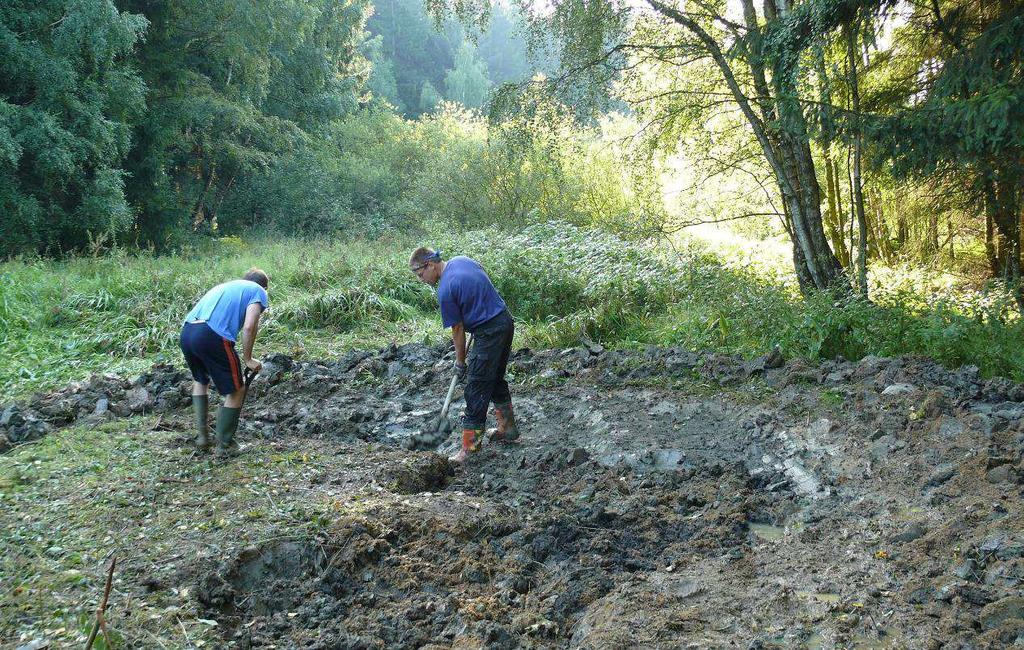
column 433, row 257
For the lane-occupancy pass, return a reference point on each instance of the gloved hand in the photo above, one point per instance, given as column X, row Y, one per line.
column 460, row 371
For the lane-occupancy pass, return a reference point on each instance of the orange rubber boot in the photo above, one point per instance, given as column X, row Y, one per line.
column 507, row 430
column 471, row 439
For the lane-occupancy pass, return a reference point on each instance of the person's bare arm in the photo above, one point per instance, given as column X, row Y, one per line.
column 459, row 339
column 249, row 330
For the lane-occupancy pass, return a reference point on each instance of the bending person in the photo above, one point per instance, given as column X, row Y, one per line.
column 470, row 303
column 208, row 343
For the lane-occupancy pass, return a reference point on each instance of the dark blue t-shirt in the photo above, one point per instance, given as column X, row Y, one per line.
column 466, row 294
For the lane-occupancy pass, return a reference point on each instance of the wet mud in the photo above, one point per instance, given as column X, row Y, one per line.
column 658, row 498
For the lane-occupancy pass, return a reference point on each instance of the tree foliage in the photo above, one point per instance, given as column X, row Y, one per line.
column 416, row 49
column 961, row 124
column 467, row 82
column 233, row 84
column 68, row 96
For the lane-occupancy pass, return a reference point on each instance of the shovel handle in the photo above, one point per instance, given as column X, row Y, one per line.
column 451, row 387
column 448, row 399
column 248, row 376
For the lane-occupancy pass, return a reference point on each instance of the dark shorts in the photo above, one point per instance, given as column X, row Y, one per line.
column 211, row 356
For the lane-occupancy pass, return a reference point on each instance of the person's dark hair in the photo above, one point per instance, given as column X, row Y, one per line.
column 259, row 276
column 421, row 255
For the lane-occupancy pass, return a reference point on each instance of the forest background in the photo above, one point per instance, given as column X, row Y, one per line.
column 832, row 177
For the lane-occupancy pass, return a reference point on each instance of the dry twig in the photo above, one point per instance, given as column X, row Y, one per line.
column 99, row 624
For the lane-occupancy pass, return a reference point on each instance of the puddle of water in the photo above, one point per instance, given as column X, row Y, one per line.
column 883, row 641
column 911, row 513
column 401, row 429
column 820, row 597
column 767, row 531
column 668, row 459
column 663, row 460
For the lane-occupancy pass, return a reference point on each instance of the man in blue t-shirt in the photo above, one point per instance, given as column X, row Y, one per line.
column 470, row 303
column 208, row 343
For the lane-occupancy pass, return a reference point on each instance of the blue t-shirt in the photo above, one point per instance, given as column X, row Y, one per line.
column 223, row 307
column 466, row 294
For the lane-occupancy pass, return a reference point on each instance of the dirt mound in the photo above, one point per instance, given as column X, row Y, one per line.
column 99, row 398
column 418, row 473
column 469, row 571
column 658, row 498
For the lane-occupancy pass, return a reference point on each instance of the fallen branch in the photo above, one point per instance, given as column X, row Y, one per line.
column 101, row 610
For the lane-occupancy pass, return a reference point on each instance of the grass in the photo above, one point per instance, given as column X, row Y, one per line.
column 738, row 312
column 61, row 321
column 133, row 489
column 71, row 501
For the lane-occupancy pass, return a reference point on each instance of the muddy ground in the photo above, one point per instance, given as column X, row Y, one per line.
column 657, row 498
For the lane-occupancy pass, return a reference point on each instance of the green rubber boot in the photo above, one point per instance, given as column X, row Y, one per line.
column 227, row 425
column 201, row 409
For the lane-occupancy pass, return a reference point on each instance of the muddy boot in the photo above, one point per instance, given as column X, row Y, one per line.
column 471, row 439
column 227, row 424
column 201, row 408
column 507, row 430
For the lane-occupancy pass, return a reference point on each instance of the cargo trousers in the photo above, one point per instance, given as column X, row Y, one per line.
column 487, row 363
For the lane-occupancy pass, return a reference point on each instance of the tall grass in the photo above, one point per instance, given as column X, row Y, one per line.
column 121, row 312
column 738, row 311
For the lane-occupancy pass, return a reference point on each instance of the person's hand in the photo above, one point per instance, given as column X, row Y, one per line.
column 254, row 364
column 460, row 371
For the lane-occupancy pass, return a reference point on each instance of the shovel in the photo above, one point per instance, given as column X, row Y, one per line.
column 436, row 431
column 247, row 378
column 441, row 419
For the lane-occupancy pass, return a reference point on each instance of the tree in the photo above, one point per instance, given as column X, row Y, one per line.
column 233, row 84
column 429, row 98
column 959, row 119
column 383, row 85
column 416, row 50
column 67, row 97
column 759, row 72
column 319, row 70
column 503, row 47
column 467, row 82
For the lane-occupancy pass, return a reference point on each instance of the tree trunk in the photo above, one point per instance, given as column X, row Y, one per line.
column 884, row 236
column 949, row 231
column 853, row 204
column 833, row 220
column 858, row 195
column 1005, row 215
column 199, row 211
column 901, row 229
column 990, row 234
column 785, row 144
column 840, row 210
column 932, row 236
column 803, row 276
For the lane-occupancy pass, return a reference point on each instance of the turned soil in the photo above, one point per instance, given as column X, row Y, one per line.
column 657, row 498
